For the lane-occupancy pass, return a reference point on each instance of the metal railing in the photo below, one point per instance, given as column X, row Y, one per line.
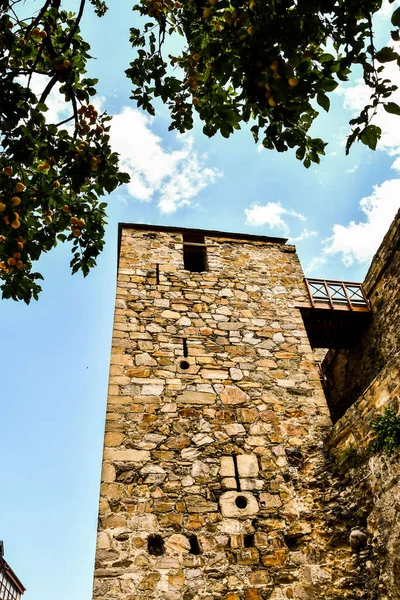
column 337, row 294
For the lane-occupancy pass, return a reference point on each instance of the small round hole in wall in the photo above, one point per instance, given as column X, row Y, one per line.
column 184, row 365
column 241, row 502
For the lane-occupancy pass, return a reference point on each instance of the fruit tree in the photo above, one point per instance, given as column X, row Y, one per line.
column 267, row 64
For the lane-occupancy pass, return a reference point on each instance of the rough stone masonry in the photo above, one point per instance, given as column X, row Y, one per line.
column 211, row 484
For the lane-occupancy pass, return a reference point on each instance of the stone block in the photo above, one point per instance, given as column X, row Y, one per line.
column 227, row 468
column 247, row 465
column 238, row 504
column 233, row 395
column 135, row 456
column 196, row 398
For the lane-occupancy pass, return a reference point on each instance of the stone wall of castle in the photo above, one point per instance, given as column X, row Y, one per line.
column 351, row 373
column 368, row 378
column 214, row 482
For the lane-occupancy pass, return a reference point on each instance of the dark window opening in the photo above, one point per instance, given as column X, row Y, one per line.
column 184, row 365
column 249, row 540
column 155, row 544
column 194, row 545
column 194, row 252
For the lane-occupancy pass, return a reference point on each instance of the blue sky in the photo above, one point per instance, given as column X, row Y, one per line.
column 55, row 353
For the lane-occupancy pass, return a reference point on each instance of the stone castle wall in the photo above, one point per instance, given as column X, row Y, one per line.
column 213, row 483
column 368, row 378
column 351, row 373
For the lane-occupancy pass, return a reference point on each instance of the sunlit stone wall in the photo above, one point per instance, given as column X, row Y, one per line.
column 213, row 466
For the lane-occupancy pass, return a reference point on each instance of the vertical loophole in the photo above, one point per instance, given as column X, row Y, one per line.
column 237, row 478
column 249, row 540
column 155, row 544
column 194, row 545
column 158, row 274
column 185, row 348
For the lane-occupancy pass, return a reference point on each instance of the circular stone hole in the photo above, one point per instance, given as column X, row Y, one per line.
column 241, row 502
column 184, row 365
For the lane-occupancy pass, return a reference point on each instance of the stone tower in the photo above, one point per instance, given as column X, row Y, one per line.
column 215, row 422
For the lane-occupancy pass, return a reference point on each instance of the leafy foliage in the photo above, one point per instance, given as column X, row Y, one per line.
column 387, row 429
column 268, row 64
column 52, row 176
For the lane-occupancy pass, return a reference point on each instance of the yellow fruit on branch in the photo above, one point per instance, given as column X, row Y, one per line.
column 2, row 207
column 253, row 5
column 11, row 262
column 228, row 17
column 65, row 208
column 16, row 200
column 56, row 184
column 17, row 255
column 195, row 101
column 274, row 65
column 271, row 101
column 76, row 232
column 20, row 245
column 207, row 13
column 73, row 221
column 251, row 30
column 81, row 223
column 15, row 224
column 293, row 81
column 8, row 171
column 19, row 187
column 19, row 264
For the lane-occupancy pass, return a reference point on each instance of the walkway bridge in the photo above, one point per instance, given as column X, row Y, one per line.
column 336, row 313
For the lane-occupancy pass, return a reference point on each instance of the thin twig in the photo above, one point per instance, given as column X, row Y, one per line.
column 38, row 18
column 65, row 121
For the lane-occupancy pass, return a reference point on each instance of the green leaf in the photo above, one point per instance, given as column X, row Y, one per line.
column 370, row 136
column 323, row 101
column 396, row 18
column 392, row 108
column 42, row 107
column 386, row 55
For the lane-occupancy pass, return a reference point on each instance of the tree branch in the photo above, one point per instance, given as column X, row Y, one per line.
column 38, row 18
column 75, row 27
column 48, row 88
column 65, row 121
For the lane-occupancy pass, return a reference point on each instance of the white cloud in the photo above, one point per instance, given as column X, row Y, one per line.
column 315, row 263
column 270, row 214
column 357, row 242
column 305, row 234
column 387, row 8
column 176, row 176
column 352, row 169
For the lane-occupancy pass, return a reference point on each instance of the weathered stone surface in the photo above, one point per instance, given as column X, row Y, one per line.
column 233, row 395
column 196, row 398
column 238, row 504
column 246, row 418
column 247, row 465
column 135, row 456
